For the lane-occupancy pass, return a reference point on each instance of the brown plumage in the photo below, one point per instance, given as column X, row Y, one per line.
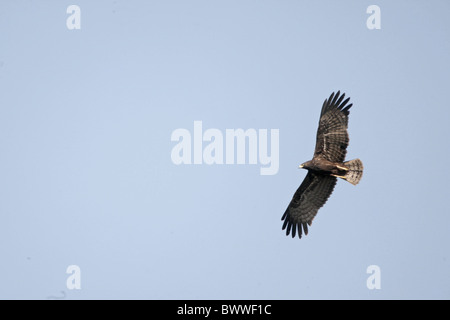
column 325, row 167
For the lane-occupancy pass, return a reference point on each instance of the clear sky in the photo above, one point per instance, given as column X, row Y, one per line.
column 87, row 176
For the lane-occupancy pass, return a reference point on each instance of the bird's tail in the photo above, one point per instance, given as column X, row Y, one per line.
column 355, row 171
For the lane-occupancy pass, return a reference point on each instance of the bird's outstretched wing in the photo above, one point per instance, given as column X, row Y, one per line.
column 332, row 137
column 308, row 199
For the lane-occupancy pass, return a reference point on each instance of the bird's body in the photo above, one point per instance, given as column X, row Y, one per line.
column 325, row 167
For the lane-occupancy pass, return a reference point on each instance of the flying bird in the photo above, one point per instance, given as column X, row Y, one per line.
column 325, row 167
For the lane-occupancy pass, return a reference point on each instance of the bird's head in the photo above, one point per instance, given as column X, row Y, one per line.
column 305, row 165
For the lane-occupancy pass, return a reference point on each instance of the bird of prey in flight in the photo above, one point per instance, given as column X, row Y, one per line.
column 327, row 164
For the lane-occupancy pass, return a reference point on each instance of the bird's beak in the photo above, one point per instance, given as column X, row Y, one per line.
column 300, row 166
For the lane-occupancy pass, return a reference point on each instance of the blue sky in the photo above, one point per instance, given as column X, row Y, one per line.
column 87, row 179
